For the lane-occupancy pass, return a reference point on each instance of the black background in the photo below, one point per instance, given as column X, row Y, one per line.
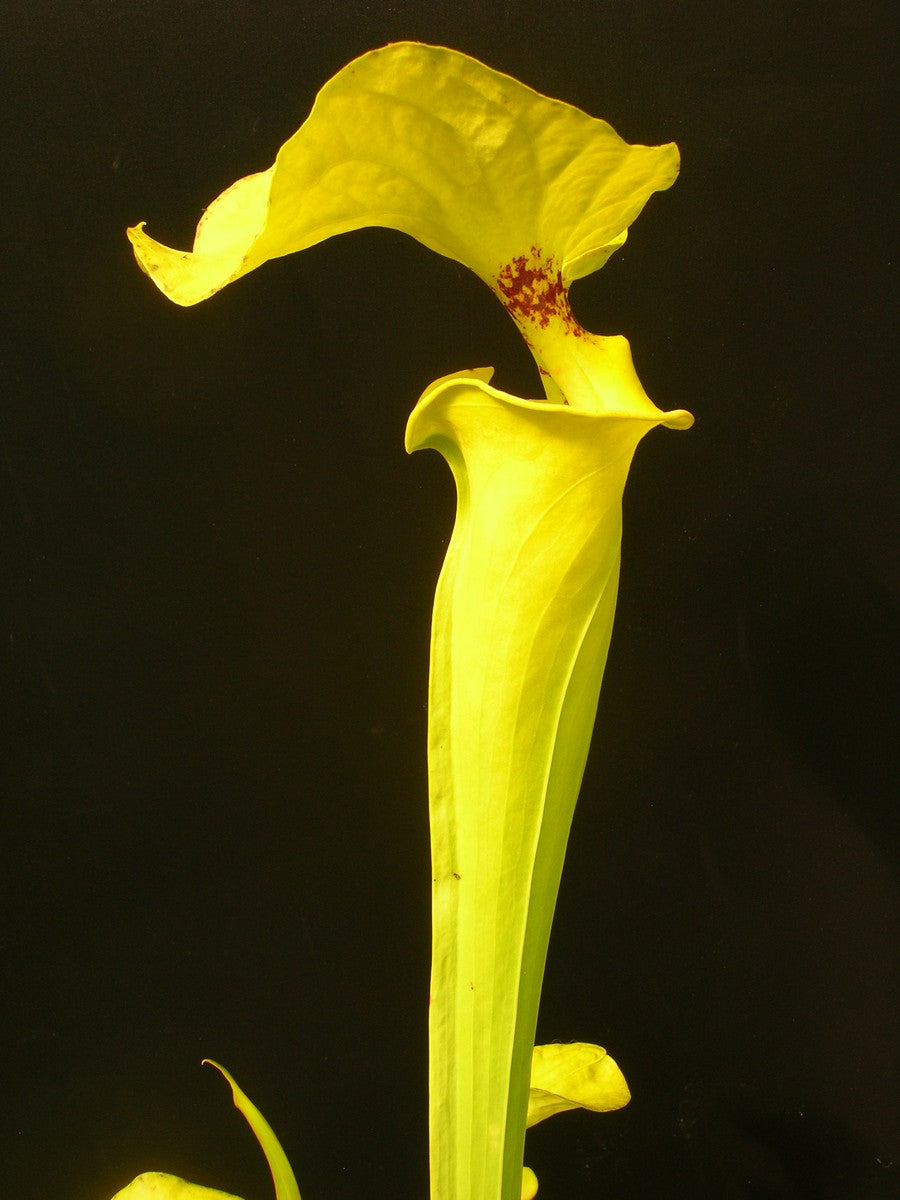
column 217, row 567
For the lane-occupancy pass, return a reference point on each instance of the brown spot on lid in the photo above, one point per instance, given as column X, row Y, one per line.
column 531, row 288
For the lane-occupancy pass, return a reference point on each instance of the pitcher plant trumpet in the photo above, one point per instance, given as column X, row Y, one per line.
column 530, row 194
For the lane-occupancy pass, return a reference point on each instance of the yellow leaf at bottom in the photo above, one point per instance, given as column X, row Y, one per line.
column 156, row 1185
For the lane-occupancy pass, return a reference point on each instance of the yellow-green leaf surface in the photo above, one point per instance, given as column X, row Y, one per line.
column 282, row 1175
column 576, row 1075
column 530, row 193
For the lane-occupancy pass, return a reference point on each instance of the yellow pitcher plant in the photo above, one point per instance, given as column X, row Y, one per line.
column 529, row 193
